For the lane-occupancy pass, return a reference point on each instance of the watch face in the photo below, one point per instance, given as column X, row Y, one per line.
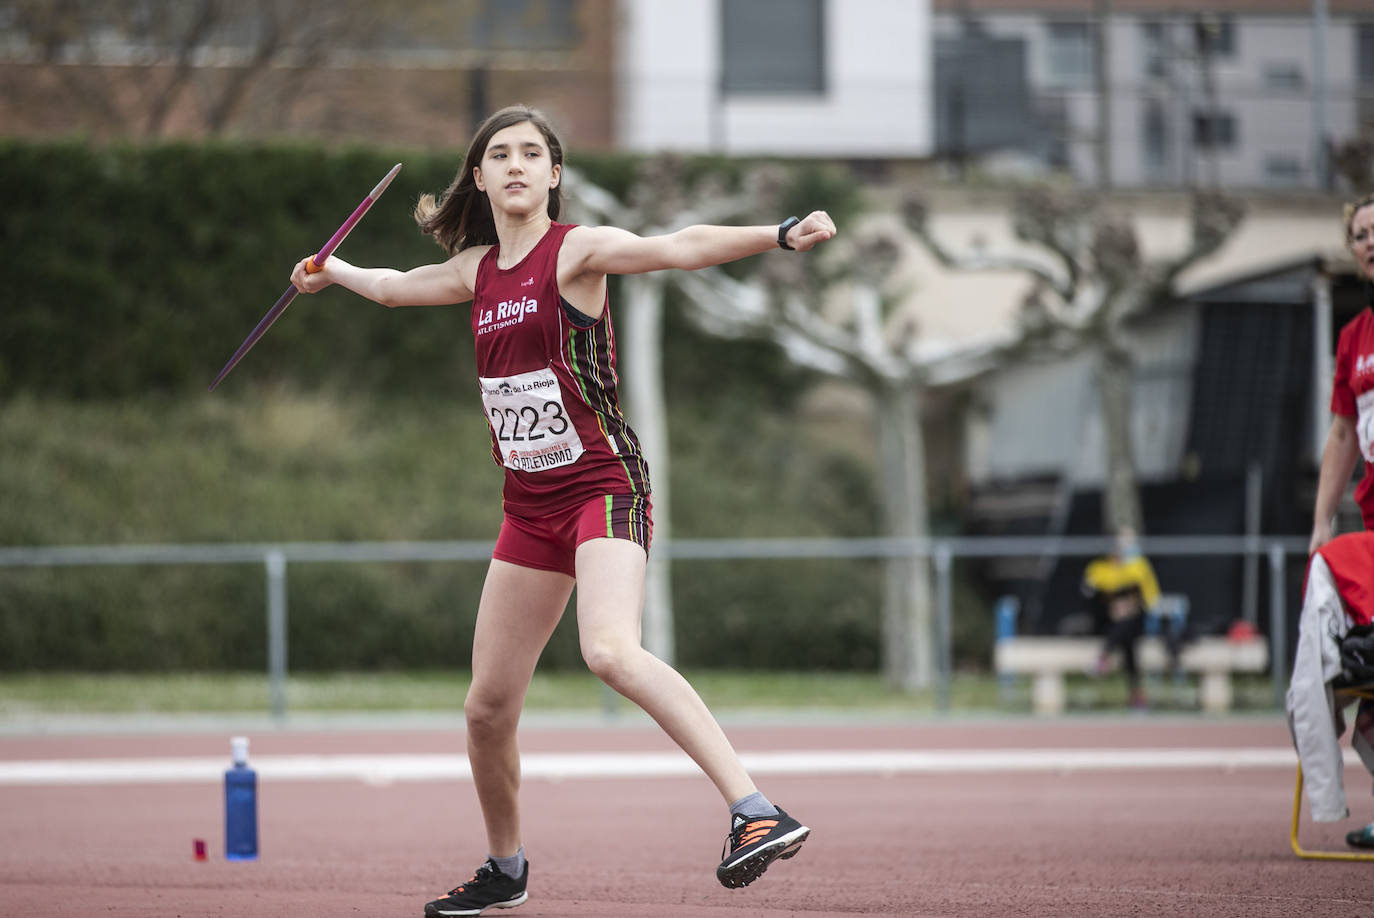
column 782, row 231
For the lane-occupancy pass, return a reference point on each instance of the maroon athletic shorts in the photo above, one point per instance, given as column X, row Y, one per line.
column 549, row 543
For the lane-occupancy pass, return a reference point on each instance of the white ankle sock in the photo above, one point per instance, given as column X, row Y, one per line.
column 753, row 805
column 511, row 866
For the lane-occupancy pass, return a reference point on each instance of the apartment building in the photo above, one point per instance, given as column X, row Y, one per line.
column 1142, row 93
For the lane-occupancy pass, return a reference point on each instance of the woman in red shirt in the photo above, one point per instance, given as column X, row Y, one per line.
column 1352, row 394
column 1352, row 427
column 576, row 495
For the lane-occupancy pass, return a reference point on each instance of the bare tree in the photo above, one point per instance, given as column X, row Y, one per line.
column 1353, row 161
column 845, row 315
column 124, row 67
column 1092, row 281
column 842, row 313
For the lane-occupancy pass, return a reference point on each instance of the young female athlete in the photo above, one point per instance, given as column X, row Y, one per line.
column 576, row 495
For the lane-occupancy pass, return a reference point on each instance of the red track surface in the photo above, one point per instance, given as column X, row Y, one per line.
column 1199, row 842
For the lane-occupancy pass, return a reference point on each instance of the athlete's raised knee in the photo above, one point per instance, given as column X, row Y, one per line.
column 610, row 661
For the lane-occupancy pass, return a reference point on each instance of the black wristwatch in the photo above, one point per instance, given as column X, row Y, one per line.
column 783, row 227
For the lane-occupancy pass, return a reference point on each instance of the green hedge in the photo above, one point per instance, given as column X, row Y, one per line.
column 134, row 270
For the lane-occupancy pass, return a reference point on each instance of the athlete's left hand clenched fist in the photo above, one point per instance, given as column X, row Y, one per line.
column 812, row 231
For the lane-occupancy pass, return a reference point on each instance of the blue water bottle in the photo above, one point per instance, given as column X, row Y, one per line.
column 240, row 805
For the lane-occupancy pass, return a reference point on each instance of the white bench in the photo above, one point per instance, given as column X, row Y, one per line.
column 1048, row 659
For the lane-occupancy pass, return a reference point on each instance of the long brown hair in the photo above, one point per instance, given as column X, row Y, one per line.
column 462, row 217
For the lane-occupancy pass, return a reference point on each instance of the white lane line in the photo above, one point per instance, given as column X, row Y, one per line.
column 383, row 769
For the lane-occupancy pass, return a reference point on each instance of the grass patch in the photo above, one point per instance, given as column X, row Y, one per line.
column 442, row 692
column 277, row 464
column 284, row 466
column 179, row 693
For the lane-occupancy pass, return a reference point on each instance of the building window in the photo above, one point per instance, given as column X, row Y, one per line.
column 1154, row 48
column 1071, row 57
column 1283, row 77
column 1214, row 35
column 1365, row 52
column 1214, row 130
column 1052, row 113
column 1154, row 133
column 1280, row 169
column 772, row 46
column 982, row 99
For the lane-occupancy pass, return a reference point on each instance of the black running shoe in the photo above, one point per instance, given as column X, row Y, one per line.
column 754, row 843
column 1362, row 837
column 489, row 888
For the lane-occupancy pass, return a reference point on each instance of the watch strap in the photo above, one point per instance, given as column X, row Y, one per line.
column 783, row 227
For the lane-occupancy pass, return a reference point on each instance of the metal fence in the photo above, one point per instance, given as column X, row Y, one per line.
column 941, row 553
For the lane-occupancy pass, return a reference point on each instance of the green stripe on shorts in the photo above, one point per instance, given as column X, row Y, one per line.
column 610, row 528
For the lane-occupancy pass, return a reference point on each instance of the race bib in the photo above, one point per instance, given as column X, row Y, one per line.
column 1364, row 423
column 529, row 421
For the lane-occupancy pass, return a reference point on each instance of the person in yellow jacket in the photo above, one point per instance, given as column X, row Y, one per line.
column 1123, row 585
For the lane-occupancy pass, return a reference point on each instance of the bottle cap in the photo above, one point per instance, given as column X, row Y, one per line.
column 239, row 748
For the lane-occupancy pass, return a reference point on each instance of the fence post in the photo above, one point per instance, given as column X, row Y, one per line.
column 276, row 631
column 1278, row 624
column 944, row 630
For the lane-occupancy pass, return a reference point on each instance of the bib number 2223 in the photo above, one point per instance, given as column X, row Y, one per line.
column 529, row 421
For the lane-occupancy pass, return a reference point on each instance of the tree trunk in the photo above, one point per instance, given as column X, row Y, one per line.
column 240, row 80
column 908, row 635
column 1121, row 490
column 207, row 16
column 647, row 410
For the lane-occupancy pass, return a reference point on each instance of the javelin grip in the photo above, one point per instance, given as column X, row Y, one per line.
column 313, row 266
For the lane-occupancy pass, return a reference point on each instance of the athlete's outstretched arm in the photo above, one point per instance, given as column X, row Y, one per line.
column 441, row 284
column 608, row 250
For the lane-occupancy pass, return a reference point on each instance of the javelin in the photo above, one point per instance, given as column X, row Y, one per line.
column 313, row 266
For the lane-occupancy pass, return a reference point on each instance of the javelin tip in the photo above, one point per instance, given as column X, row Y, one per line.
column 386, row 180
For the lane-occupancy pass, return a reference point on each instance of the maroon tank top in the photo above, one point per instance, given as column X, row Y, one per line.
column 548, row 388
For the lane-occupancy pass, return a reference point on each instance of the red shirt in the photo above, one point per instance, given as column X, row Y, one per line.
column 1351, row 560
column 1355, row 377
column 549, row 388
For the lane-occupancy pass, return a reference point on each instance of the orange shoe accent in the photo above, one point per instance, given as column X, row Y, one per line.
column 755, row 831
